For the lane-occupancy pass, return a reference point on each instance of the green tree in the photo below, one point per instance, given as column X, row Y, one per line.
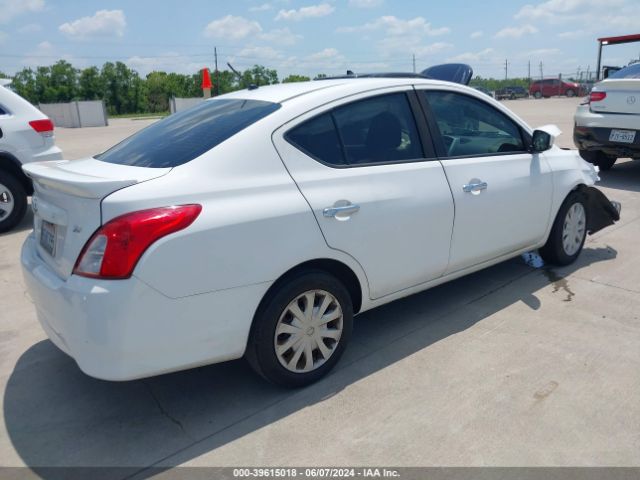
column 90, row 84
column 295, row 78
column 24, row 83
column 259, row 75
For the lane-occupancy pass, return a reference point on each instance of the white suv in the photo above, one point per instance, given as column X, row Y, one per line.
column 607, row 127
column 26, row 135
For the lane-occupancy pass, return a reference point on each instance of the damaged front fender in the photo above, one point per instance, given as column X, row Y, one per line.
column 601, row 212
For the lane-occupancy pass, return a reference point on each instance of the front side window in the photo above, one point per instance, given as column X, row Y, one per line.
column 376, row 130
column 183, row 136
column 469, row 126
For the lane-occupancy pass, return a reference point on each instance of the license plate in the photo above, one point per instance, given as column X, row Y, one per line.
column 622, row 136
column 48, row 237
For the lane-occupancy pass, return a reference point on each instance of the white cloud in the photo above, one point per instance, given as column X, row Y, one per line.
column 261, row 8
column 232, row 27
column 30, row 28
column 365, row 3
column 321, row 10
column 477, row 34
column 473, row 57
column 516, row 32
column 264, row 53
column 542, row 52
column 607, row 17
column 571, row 34
column 396, row 27
column 105, row 23
column 167, row 62
column 281, row 36
column 9, row 9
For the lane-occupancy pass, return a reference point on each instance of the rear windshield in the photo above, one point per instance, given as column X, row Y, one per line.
column 632, row 71
column 183, row 136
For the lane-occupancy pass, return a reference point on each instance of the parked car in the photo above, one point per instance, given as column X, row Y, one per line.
column 260, row 222
column 26, row 135
column 511, row 93
column 484, row 90
column 553, row 86
column 607, row 127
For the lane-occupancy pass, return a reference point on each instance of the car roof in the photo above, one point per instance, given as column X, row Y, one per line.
column 284, row 92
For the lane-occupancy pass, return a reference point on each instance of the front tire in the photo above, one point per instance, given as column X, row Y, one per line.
column 13, row 202
column 301, row 331
column 571, row 93
column 598, row 158
column 537, row 95
column 568, row 232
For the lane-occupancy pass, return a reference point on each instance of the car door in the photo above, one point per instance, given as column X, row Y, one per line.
column 502, row 193
column 369, row 174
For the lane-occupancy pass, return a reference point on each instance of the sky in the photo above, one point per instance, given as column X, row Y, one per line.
column 318, row 36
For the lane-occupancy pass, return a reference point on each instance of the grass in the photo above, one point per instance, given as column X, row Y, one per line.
column 141, row 116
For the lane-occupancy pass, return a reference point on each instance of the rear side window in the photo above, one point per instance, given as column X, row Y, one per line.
column 380, row 129
column 2, row 111
column 183, row 136
column 632, row 71
column 318, row 139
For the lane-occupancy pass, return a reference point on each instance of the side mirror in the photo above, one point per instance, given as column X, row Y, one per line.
column 540, row 141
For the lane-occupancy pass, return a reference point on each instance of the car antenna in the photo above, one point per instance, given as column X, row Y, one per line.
column 251, row 86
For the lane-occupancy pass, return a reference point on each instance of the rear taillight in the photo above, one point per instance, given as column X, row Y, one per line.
column 114, row 250
column 597, row 96
column 43, row 127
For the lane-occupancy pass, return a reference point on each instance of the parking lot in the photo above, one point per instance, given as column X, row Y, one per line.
column 511, row 366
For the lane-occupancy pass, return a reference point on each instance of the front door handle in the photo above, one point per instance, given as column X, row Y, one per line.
column 474, row 187
column 341, row 211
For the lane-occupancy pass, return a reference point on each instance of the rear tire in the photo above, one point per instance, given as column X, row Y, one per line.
column 13, row 201
column 307, row 346
column 598, row 158
column 568, row 232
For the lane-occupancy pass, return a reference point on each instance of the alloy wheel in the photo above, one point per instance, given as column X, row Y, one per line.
column 7, row 202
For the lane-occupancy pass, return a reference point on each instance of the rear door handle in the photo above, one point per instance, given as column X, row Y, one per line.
column 474, row 187
column 344, row 210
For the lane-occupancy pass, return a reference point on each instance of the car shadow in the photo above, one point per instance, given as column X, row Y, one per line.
column 56, row 416
column 623, row 176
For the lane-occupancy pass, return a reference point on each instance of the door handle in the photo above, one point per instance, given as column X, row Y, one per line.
column 474, row 187
column 344, row 210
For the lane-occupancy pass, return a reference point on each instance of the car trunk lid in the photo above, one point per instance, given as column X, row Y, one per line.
column 67, row 204
column 623, row 96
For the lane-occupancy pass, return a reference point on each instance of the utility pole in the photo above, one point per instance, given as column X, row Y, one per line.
column 215, row 54
column 541, row 74
column 529, row 72
column 506, row 69
column 414, row 63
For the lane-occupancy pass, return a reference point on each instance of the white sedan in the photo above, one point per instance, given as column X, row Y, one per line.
column 260, row 222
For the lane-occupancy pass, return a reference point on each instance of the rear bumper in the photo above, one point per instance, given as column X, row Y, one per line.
column 44, row 155
column 124, row 329
column 592, row 131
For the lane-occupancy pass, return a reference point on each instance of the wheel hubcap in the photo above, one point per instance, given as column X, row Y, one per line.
column 308, row 331
column 574, row 229
column 6, row 202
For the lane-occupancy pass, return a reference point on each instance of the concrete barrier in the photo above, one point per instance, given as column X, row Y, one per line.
column 177, row 104
column 76, row 114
